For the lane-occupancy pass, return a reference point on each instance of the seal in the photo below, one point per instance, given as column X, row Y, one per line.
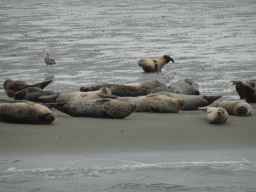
column 48, row 59
column 155, row 64
column 97, row 108
column 152, row 84
column 237, row 107
column 215, row 115
column 240, row 87
column 25, row 112
column 32, row 94
column 75, row 96
column 184, row 86
column 119, row 90
column 11, row 87
column 250, row 94
column 192, row 102
column 152, row 103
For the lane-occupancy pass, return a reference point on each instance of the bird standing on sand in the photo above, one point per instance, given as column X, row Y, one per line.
column 48, row 59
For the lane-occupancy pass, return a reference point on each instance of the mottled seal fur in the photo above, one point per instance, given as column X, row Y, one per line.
column 32, row 94
column 97, row 108
column 155, row 64
column 11, row 87
column 184, row 86
column 250, row 94
column 75, row 96
column 119, row 90
column 240, row 87
column 153, row 84
column 192, row 102
column 237, row 107
column 25, row 112
column 215, row 115
column 153, row 103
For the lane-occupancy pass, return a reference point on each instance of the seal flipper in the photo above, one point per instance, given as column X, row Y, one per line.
column 211, row 99
column 203, row 109
column 51, row 98
column 42, row 85
column 56, row 106
column 108, row 96
column 155, row 109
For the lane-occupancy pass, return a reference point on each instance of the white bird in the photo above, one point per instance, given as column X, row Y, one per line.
column 48, row 59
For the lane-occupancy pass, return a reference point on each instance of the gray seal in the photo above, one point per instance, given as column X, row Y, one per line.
column 153, row 84
column 155, row 64
column 184, row 86
column 25, row 112
column 215, row 115
column 237, row 107
column 11, row 87
column 192, row 102
column 119, row 90
column 240, row 87
column 97, row 108
column 152, row 103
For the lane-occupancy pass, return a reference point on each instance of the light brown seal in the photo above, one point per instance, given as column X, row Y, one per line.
column 75, row 96
column 155, row 64
column 237, row 107
column 11, row 87
column 215, row 115
column 25, row 112
column 97, row 108
column 192, row 102
column 119, row 90
column 184, row 86
column 152, row 103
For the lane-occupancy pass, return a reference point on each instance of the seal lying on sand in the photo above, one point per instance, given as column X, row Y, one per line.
column 11, row 87
column 184, row 86
column 237, row 107
column 98, row 108
column 152, row 103
column 240, row 87
column 156, row 64
column 75, row 96
column 119, row 90
column 32, row 94
column 153, row 84
column 25, row 112
column 215, row 115
column 192, row 102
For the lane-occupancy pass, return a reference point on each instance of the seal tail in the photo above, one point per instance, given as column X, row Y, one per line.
column 51, row 98
column 211, row 99
column 42, row 85
column 203, row 109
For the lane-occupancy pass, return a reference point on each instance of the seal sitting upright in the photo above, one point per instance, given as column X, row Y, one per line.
column 155, row 64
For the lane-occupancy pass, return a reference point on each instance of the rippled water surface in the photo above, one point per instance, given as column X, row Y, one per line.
column 95, row 42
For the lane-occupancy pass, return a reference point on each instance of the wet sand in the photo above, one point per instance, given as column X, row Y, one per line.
column 137, row 132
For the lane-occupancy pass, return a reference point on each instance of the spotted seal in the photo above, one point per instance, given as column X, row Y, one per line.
column 97, row 108
column 155, row 64
column 215, row 115
column 236, row 107
column 25, row 112
column 184, row 86
column 11, row 86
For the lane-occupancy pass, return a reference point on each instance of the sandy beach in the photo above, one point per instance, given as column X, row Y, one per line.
column 137, row 132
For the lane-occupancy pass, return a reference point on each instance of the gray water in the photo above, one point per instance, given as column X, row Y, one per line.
column 96, row 42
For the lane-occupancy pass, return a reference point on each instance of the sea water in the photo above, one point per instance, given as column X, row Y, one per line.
column 96, row 42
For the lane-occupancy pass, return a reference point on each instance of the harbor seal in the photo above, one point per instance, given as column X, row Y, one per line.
column 237, row 107
column 250, row 94
column 48, row 59
column 25, row 112
column 119, row 90
column 155, row 64
column 240, row 87
column 153, row 103
column 11, row 87
column 152, row 84
column 75, row 96
column 32, row 94
column 97, row 108
column 215, row 115
column 184, row 86
column 192, row 102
